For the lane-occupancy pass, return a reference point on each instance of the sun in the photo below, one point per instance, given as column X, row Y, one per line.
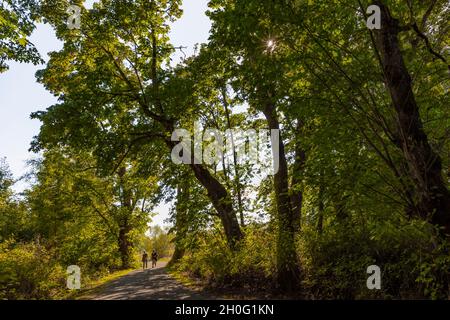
column 270, row 45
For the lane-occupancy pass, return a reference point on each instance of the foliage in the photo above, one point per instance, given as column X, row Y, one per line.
column 252, row 266
column 29, row 271
column 16, row 25
column 157, row 239
column 333, row 264
column 364, row 147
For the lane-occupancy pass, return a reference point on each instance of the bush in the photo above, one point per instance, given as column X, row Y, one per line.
column 252, row 265
column 412, row 264
column 210, row 260
column 32, row 271
column 28, row 271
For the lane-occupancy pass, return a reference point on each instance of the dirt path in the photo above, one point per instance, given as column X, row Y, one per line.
column 149, row 284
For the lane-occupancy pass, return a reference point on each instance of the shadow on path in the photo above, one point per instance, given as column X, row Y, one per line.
column 149, row 284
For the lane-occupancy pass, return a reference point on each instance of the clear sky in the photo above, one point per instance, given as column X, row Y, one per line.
column 20, row 95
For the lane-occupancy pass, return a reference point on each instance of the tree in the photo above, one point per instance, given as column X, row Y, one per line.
column 17, row 18
column 71, row 195
column 160, row 241
column 257, row 77
column 132, row 103
column 14, row 224
column 431, row 195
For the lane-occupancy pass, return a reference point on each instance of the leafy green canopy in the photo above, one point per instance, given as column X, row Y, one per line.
column 107, row 78
column 17, row 18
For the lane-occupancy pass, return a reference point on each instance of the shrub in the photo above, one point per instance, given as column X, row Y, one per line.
column 28, row 271
column 412, row 264
column 252, row 265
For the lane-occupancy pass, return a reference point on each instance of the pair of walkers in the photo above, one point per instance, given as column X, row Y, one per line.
column 154, row 258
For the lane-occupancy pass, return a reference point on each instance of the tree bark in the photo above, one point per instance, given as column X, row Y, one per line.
column 180, row 219
column 125, row 245
column 424, row 165
column 297, row 172
column 221, row 201
column 237, row 181
column 287, row 266
column 320, row 208
column 216, row 191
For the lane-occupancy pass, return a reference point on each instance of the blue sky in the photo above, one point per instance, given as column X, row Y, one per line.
column 20, row 95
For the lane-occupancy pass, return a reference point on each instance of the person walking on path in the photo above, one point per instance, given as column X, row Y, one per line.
column 144, row 260
column 154, row 258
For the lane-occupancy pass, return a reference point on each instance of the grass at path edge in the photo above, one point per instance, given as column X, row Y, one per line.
column 94, row 287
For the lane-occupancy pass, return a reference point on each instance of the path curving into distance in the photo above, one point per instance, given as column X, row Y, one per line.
column 149, row 284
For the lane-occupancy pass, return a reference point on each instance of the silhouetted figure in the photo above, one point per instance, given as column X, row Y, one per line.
column 154, row 258
column 144, row 260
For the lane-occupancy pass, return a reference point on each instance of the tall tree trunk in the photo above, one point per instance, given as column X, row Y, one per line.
column 237, row 180
column 320, row 208
column 178, row 254
column 297, row 172
column 424, row 165
column 180, row 219
column 220, row 199
column 222, row 202
column 287, row 265
column 217, row 193
column 125, row 244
